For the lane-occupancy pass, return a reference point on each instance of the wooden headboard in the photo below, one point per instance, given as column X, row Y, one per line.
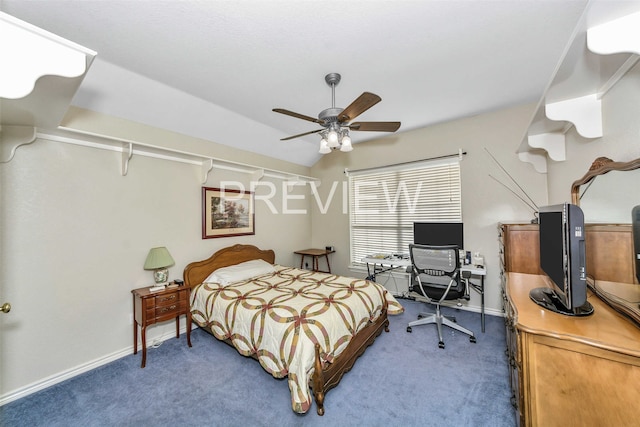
column 197, row 271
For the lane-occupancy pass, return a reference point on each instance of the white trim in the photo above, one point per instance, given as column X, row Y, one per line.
column 620, row 73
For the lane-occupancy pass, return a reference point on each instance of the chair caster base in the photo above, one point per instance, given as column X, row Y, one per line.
column 441, row 344
column 472, row 339
column 409, row 329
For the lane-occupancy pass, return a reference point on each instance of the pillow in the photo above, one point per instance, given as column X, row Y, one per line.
column 242, row 271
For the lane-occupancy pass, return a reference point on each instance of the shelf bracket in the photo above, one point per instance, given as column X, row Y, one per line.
column 207, row 166
column 127, row 154
column 538, row 160
column 293, row 181
column 257, row 175
column 553, row 143
column 12, row 137
column 584, row 112
column 34, row 53
column 619, row 35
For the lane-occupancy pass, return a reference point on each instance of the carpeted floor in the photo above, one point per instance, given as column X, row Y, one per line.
column 403, row 379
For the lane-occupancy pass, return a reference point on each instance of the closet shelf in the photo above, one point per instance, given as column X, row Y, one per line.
column 130, row 149
column 605, row 45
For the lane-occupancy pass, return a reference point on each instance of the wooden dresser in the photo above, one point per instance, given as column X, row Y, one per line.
column 519, row 248
column 571, row 371
column 609, row 251
column 565, row 370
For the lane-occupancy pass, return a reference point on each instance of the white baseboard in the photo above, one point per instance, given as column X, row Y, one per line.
column 80, row 369
column 478, row 309
column 473, row 308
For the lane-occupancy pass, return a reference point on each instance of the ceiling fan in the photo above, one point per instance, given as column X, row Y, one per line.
column 337, row 122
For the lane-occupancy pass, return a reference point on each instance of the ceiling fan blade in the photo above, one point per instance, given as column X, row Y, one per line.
column 375, row 126
column 359, row 106
column 301, row 134
column 297, row 115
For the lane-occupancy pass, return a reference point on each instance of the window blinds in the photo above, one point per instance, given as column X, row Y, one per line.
column 385, row 202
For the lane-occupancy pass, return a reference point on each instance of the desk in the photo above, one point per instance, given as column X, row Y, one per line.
column 315, row 254
column 377, row 265
column 478, row 287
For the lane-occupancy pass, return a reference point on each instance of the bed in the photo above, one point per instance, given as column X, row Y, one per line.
column 307, row 326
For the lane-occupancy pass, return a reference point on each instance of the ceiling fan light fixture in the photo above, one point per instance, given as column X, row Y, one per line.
column 346, row 143
column 324, row 147
column 332, row 139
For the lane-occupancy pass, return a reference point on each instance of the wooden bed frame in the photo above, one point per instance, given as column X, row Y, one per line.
column 324, row 378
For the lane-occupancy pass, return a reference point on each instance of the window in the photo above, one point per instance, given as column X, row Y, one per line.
column 385, row 202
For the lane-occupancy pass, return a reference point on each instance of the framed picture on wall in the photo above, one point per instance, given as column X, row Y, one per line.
column 227, row 213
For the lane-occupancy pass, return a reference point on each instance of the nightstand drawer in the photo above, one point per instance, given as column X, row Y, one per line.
column 168, row 299
column 168, row 311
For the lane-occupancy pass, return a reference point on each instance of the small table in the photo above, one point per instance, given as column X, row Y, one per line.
column 315, row 254
column 153, row 307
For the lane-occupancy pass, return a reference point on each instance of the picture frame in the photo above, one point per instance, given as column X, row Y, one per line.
column 227, row 213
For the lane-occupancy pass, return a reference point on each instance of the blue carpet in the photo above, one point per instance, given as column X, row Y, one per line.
column 402, row 379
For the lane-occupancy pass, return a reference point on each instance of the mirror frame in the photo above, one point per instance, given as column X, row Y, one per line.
column 613, row 293
column 600, row 166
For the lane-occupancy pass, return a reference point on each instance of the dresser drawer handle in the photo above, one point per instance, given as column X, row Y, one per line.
column 171, row 308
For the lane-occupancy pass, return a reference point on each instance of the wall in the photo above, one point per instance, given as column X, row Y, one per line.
column 484, row 201
column 75, row 234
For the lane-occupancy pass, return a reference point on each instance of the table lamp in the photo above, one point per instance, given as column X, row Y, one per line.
column 158, row 260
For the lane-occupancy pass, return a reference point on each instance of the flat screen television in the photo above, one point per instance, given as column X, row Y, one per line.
column 438, row 233
column 562, row 258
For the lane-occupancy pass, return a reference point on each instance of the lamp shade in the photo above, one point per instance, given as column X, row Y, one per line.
column 324, row 147
column 158, row 258
column 346, row 144
column 332, row 139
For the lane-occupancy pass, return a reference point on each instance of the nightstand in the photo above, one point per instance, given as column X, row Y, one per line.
column 154, row 307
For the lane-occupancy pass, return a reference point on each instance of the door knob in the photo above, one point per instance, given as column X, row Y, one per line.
column 6, row 307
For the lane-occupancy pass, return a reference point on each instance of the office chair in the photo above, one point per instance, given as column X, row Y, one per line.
column 436, row 278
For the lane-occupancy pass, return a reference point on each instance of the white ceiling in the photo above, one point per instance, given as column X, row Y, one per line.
column 214, row 69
